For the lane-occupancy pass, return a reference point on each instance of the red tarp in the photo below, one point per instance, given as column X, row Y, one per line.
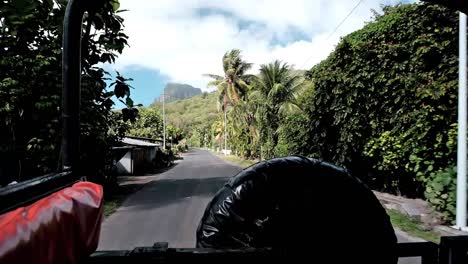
column 60, row 228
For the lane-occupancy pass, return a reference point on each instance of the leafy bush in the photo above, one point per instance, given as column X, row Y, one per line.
column 181, row 146
column 294, row 138
column 441, row 191
column 163, row 158
column 383, row 104
column 148, row 124
column 30, row 87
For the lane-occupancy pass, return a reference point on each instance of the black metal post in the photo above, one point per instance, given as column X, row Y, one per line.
column 71, row 90
column 453, row 250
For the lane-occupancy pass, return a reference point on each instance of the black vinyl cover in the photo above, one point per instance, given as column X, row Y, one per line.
column 301, row 206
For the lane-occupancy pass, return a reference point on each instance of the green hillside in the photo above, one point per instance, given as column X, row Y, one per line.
column 192, row 114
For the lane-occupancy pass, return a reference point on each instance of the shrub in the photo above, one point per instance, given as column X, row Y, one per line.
column 441, row 191
column 383, row 104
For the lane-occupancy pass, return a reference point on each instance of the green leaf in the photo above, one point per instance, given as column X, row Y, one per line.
column 430, row 168
column 121, row 90
column 115, row 5
column 129, row 102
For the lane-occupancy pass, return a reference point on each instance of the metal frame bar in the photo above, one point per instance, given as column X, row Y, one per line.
column 453, row 250
column 71, row 89
column 20, row 194
column 160, row 253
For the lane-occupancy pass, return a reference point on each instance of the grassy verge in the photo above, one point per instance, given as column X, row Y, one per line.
column 411, row 227
column 116, row 194
column 111, row 206
column 240, row 161
column 115, row 198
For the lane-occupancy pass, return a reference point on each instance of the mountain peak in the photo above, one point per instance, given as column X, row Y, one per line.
column 177, row 91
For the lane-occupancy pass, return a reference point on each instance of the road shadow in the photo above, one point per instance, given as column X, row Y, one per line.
column 164, row 169
column 168, row 191
column 190, row 152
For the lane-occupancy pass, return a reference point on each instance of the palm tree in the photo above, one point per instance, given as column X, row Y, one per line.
column 276, row 89
column 233, row 86
column 235, row 83
column 244, row 117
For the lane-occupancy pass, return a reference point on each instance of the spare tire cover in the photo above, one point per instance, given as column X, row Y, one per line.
column 299, row 205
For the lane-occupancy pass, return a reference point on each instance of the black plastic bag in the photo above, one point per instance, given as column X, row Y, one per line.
column 303, row 207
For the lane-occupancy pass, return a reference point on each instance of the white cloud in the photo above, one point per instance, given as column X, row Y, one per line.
column 172, row 36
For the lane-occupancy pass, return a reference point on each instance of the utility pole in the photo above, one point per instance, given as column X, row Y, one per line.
column 462, row 120
column 164, row 119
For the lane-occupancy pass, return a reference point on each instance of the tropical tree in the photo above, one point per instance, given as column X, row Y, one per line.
column 234, row 85
column 31, row 86
column 244, row 132
column 275, row 92
column 148, row 124
column 174, row 134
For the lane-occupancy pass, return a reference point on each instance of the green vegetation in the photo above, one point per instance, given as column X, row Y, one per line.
column 31, row 87
column 383, row 104
column 244, row 163
column 193, row 117
column 111, row 206
column 116, row 195
column 148, row 124
column 276, row 90
column 411, row 227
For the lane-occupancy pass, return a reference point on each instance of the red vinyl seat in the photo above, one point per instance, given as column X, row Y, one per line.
column 63, row 227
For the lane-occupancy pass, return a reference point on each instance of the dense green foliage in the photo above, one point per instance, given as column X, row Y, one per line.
column 193, row 116
column 30, row 87
column 149, row 124
column 275, row 92
column 384, row 102
column 178, row 91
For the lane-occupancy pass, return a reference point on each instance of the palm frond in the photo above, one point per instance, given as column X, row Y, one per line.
column 288, row 108
column 214, row 83
column 213, row 76
column 243, row 67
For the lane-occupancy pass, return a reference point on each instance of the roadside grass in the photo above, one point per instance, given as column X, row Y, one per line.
column 116, row 196
column 411, row 227
column 111, row 206
column 235, row 159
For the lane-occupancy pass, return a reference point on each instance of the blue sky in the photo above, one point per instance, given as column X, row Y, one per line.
column 148, row 83
column 180, row 40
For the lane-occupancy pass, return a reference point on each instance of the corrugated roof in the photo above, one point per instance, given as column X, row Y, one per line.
column 136, row 142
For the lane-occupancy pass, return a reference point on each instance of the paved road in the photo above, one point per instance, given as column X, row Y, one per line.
column 169, row 207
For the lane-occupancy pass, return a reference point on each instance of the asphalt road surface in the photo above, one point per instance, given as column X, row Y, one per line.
column 169, row 208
